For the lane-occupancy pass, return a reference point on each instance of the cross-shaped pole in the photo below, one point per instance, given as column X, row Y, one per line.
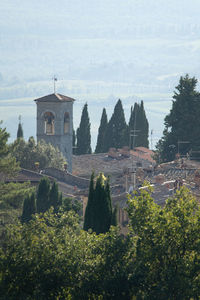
column 54, row 83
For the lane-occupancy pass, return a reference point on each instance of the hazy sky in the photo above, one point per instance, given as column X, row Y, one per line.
column 100, row 51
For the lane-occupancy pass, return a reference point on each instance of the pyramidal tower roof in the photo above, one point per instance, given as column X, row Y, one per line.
column 55, row 98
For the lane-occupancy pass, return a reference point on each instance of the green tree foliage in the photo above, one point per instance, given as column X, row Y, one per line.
column 71, row 204
column 83, row 133
column 98, row 213
column 47, row 196
column 8, row 165
column 159, row 258
column 101, row 145
column 138, row 127
column 167, row 240
column 43, row 202
column 55, row 198
column 182, row 123
column 117, row 131
column 11, row 194
column 29, row 208
column 61, row 261
column 20, row 133
column 29, row 153
column 89, row 210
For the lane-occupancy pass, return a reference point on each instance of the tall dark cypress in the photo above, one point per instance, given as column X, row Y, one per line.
column 101, row 147
column 133, row 131
column 117, row 133
column 144, row 127
column 89, row 211
column 83, row 133
column 54, row 197
column 98, row 213
column 43, row 202
column 20, row 133
column 29, row 208
column 138, row 127
column 107, row 206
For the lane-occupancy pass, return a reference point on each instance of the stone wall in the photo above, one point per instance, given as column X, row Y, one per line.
column 68, row 178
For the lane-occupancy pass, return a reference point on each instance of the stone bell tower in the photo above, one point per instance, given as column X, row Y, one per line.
column 55, row 123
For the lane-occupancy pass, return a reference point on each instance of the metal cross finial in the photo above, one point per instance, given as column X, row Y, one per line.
column 54, row 83
column 20, row 118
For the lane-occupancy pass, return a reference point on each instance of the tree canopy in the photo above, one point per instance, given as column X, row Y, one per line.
column 8, row 165
column 29, row 208
column 167, row 241
column 181, row 132
column 29, row 153
column 11, row 194
column 158, row 259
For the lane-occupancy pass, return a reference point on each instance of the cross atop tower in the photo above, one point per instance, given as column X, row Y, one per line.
column 54, row 83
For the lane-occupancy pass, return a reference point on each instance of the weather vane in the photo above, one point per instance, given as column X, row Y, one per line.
column 54, row 83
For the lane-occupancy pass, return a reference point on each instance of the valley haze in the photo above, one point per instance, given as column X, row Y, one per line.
column 100, row 51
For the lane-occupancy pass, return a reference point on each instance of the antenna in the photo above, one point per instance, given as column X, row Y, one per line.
column 54, row 83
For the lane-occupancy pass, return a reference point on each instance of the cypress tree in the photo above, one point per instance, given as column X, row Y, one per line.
column 107, row 206
column 138, row 126
column 20, row 133
column 145, row 127
column 117, row 133
column 43, row 202
column 132, row 125
column 29, row 208
column 99, row 202
column 101, row 147
column 54, row 197
column 99, row 208
column 83, row 134
column 89, row 211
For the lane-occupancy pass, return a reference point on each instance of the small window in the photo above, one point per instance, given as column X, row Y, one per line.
column 66, row 122
column 49, row 123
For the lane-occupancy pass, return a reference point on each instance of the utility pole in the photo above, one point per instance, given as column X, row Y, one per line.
column 133, row 134
column 151, row 139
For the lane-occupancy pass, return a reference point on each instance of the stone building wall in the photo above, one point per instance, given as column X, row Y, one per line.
column 58, row 139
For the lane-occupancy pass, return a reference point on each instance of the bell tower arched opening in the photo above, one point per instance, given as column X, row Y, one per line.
column 49, row 123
